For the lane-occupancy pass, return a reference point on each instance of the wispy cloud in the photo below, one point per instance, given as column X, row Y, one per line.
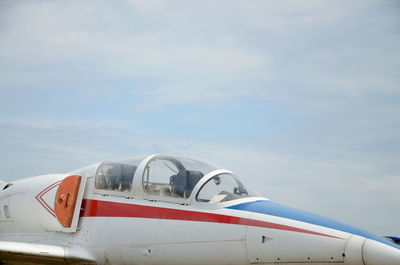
column 299, row 97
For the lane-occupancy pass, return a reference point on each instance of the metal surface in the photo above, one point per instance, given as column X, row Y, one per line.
column 66, row 199
column 65, row 219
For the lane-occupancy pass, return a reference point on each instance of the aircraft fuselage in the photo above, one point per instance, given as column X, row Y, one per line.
column 192, row 216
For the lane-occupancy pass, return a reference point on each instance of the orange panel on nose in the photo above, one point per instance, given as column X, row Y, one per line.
column 66, row 199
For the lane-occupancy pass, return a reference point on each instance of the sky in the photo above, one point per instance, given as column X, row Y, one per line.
column 301, row 99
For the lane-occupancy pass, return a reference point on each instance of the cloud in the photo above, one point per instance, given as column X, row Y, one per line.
column 334, row 187
column 147, row 7
column 207, row 54
column 300, row 98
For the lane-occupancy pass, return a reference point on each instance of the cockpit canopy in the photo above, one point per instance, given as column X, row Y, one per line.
column 117, row 176
column 169, row 178
column 174, row 176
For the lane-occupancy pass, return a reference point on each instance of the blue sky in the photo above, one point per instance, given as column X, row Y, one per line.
column 300, row 98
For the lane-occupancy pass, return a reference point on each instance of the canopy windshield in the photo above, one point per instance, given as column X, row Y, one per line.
column 174, row 176
column 169, row 178
column 223, row 187
column 117, row 176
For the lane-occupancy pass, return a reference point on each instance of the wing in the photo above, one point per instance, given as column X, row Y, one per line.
column 16, row 253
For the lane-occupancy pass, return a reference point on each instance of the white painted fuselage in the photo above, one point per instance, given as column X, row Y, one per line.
column 151, row 221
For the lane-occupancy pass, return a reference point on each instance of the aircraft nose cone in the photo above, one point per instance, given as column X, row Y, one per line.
column 375, row 253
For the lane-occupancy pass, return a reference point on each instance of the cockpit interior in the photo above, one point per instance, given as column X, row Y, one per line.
column 169, row 178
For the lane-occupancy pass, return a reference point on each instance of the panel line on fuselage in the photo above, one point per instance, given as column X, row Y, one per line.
column 275, row 209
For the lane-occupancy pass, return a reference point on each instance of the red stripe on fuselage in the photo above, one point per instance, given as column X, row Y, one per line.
column 95, row 208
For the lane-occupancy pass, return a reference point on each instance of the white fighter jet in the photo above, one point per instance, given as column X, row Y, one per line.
column 165, row 209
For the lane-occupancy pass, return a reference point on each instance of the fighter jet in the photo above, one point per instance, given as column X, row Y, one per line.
column 168, row 209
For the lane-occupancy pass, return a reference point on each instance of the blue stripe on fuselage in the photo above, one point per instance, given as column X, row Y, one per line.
column 274, row 209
